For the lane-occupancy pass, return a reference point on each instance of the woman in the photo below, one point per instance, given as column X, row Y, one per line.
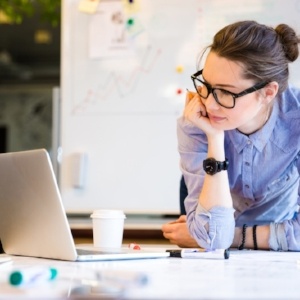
column 239, row 142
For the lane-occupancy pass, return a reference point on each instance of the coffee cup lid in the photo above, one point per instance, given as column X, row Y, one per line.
column 108, row 213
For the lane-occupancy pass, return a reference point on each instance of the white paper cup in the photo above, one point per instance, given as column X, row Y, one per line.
column 108, row 228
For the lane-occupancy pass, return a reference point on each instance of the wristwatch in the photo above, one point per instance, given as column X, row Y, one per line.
column 212, row 166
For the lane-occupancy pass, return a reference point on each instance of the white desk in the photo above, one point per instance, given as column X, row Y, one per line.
column 245, row 275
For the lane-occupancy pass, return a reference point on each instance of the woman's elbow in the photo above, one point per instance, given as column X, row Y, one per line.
column 221, row 238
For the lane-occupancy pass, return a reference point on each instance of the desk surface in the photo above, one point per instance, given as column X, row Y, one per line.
column 245, row 275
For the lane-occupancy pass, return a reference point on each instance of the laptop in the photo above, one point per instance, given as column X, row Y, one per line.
column 33, row 221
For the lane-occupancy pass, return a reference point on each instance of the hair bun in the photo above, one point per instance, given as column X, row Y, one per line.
column 289, row 41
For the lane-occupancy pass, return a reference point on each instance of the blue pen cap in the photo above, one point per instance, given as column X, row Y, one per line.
column 53, row 272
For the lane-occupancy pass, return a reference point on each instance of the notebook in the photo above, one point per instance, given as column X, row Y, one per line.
column 33, row 221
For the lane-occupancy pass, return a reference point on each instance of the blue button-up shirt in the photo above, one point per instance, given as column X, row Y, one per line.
column 263, row 177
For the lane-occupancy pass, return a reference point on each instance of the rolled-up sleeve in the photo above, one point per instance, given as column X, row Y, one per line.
column 285, row 236
column 213, row 229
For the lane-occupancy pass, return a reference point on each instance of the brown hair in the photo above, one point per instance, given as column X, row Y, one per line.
column 263, row 51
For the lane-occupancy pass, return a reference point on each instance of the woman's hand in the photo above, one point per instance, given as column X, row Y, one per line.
column 195, row 112
column 177, row 233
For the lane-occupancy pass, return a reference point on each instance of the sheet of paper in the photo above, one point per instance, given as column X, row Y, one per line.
column 108, row 36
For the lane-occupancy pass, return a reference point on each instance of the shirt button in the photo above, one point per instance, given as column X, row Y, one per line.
column 247, row 186
column 249, row 142
column 208, row 241
column 247, row 163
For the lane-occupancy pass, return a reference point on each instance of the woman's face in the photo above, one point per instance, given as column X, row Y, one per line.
column 249, row 113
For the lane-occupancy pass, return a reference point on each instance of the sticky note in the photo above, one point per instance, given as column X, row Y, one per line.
column 88, row 6
column 131, row 6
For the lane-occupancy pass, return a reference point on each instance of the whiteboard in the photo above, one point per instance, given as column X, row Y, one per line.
column 124, row 72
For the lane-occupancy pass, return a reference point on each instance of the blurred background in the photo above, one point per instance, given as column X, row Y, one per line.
column 29, row 70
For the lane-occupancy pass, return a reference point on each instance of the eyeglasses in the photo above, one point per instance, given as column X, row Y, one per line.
column 222, row 97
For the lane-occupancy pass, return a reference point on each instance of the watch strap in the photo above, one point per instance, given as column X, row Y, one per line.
column 222, row 165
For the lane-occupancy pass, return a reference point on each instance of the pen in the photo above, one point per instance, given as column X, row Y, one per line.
column 32, row 275
column 200, row 253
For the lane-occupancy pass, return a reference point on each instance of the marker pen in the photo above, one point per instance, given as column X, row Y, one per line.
column 200, row 253
column 32, row 275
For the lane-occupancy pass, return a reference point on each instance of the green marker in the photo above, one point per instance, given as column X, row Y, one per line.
column 32, row 275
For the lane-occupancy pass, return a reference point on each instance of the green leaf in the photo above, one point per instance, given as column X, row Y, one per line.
column 17, row 10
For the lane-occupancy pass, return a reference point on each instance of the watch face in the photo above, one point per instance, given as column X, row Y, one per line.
column 210, row 166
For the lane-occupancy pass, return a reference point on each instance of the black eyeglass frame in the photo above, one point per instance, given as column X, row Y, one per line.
column 210, row 89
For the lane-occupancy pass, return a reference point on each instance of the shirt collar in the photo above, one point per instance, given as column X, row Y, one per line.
column 260, row 138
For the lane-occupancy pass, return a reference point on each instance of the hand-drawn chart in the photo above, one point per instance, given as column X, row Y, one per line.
column 117, row 85
column 128, row 60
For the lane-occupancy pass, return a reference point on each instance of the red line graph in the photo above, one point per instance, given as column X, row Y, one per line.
column 122, row 85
